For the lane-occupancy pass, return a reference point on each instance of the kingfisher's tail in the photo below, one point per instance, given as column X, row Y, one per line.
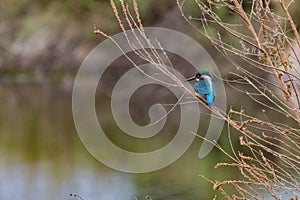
column 209, row 99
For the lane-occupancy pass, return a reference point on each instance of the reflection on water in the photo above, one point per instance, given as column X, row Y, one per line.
column 43, row 158
column 40, row 181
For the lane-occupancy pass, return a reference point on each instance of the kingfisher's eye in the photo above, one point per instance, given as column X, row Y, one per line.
column 198, row 75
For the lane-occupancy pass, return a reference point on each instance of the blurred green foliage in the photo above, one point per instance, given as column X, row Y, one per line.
column 28, row 16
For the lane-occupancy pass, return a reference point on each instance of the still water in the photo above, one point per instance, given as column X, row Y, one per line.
column 42, row 156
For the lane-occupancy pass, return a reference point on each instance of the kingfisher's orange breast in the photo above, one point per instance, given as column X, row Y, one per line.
column 197, row 95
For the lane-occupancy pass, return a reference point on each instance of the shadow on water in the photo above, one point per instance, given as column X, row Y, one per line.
column 42, row 156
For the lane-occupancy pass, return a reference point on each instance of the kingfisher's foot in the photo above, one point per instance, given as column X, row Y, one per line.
column 201, row 98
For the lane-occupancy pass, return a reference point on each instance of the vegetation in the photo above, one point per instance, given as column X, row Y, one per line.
column 261, row 42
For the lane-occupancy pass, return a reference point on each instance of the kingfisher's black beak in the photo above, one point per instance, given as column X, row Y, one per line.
column 190, row 79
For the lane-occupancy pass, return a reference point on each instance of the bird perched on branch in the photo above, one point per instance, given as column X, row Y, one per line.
column 204, row 87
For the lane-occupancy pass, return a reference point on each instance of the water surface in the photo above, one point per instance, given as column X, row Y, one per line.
column 42, row 156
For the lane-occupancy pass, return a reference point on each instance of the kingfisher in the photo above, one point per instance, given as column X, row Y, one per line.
column 204, row 87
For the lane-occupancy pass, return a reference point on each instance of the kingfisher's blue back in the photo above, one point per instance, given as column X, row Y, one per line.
column 205, row 87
